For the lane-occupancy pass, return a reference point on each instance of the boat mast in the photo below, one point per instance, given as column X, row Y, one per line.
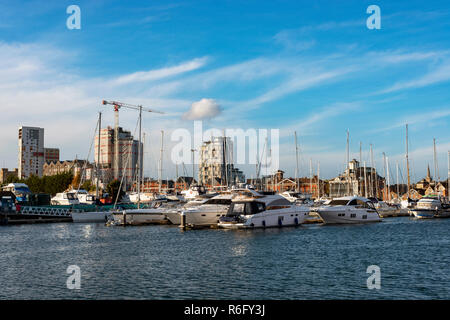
column 348, row 164
column 139, row 158
column 360, row 164
column 97, row 193
column 161, row 162
column 365, row 180
column 436, row 168
column 398, row 186
column 296, row 159
column 388, row 180
column 176, row 172
column 310, row 176
column 318, row 179
column 374, row 173
column 407, row 159
column 385, row 176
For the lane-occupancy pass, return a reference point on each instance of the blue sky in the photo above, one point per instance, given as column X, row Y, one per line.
column 306, row 66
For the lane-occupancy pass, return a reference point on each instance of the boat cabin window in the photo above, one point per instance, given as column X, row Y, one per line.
column 354, row 202
column 70, row 196
column 363, row 204
column 219, row 201
column 245, row 208
column 338, row 202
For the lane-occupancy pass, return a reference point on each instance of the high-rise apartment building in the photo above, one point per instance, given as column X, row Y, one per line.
column 128, row 155
column 31, row 151
column 216, row 163
column 51, row 154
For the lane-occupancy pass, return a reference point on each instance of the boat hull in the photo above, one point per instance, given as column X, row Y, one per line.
column 268, row 220
column 344, row 217
column 139, row 218
column 423, row 213
column 99, row 216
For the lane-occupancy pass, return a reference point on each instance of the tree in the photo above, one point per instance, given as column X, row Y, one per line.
column 113, row 189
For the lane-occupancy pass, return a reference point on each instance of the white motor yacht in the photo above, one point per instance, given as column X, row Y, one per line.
column 250, row 209
column 153, row 215
column 427, row 207
column 65, row 199
column 208, row 213
column 83, row 196
column 144, row 197
column 348, row 210
column 173, row 213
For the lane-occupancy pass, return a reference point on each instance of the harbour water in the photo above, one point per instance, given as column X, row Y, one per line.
column 162, row 262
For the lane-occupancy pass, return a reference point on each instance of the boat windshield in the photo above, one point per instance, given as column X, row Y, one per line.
column 22, row 190
column 219, row 201
column 71, row 196
column 338, row 202
column 245, row 208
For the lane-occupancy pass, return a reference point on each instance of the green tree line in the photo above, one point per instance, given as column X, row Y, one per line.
column 47, row 184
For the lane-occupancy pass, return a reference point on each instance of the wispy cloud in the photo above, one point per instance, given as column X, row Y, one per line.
column 157, row 74
column 318, row 117
column 438, row 75
column 424, row 117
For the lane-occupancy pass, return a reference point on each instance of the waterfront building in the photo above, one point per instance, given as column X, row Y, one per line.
column 216, row 163
column 354, row 181
column 5, row 174
column 76, row 167
column 278, row 183
column 31, row 152
column 51, row 154
column 128, row 156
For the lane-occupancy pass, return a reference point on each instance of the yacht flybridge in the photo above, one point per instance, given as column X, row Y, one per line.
column 348, row 210
column 250, row 209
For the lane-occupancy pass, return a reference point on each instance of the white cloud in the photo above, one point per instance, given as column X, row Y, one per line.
column 161, row 73
column 203, row 109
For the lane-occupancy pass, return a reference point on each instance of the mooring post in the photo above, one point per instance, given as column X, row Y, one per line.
column 183, row 220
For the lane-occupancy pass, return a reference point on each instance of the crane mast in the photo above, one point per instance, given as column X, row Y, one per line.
column 117, row 105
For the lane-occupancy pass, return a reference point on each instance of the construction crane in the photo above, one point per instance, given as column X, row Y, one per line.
column 117, row 105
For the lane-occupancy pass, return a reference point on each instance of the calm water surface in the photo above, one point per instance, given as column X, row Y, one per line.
column 162, row 262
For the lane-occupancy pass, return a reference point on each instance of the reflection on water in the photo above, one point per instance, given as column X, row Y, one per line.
column 160, row 262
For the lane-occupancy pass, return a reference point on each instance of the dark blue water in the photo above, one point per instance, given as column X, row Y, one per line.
column 162, row 262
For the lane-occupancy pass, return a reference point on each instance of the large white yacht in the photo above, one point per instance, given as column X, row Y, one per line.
column 348, row 210
column 208, row 213
column 250, row 209
column 427, row 207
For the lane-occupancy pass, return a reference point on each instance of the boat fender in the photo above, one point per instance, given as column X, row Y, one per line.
column 280, row 223
column 296, row 221
column 264, row 223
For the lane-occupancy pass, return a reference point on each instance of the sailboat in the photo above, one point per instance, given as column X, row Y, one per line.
column 141, row 216
column 97, row 215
